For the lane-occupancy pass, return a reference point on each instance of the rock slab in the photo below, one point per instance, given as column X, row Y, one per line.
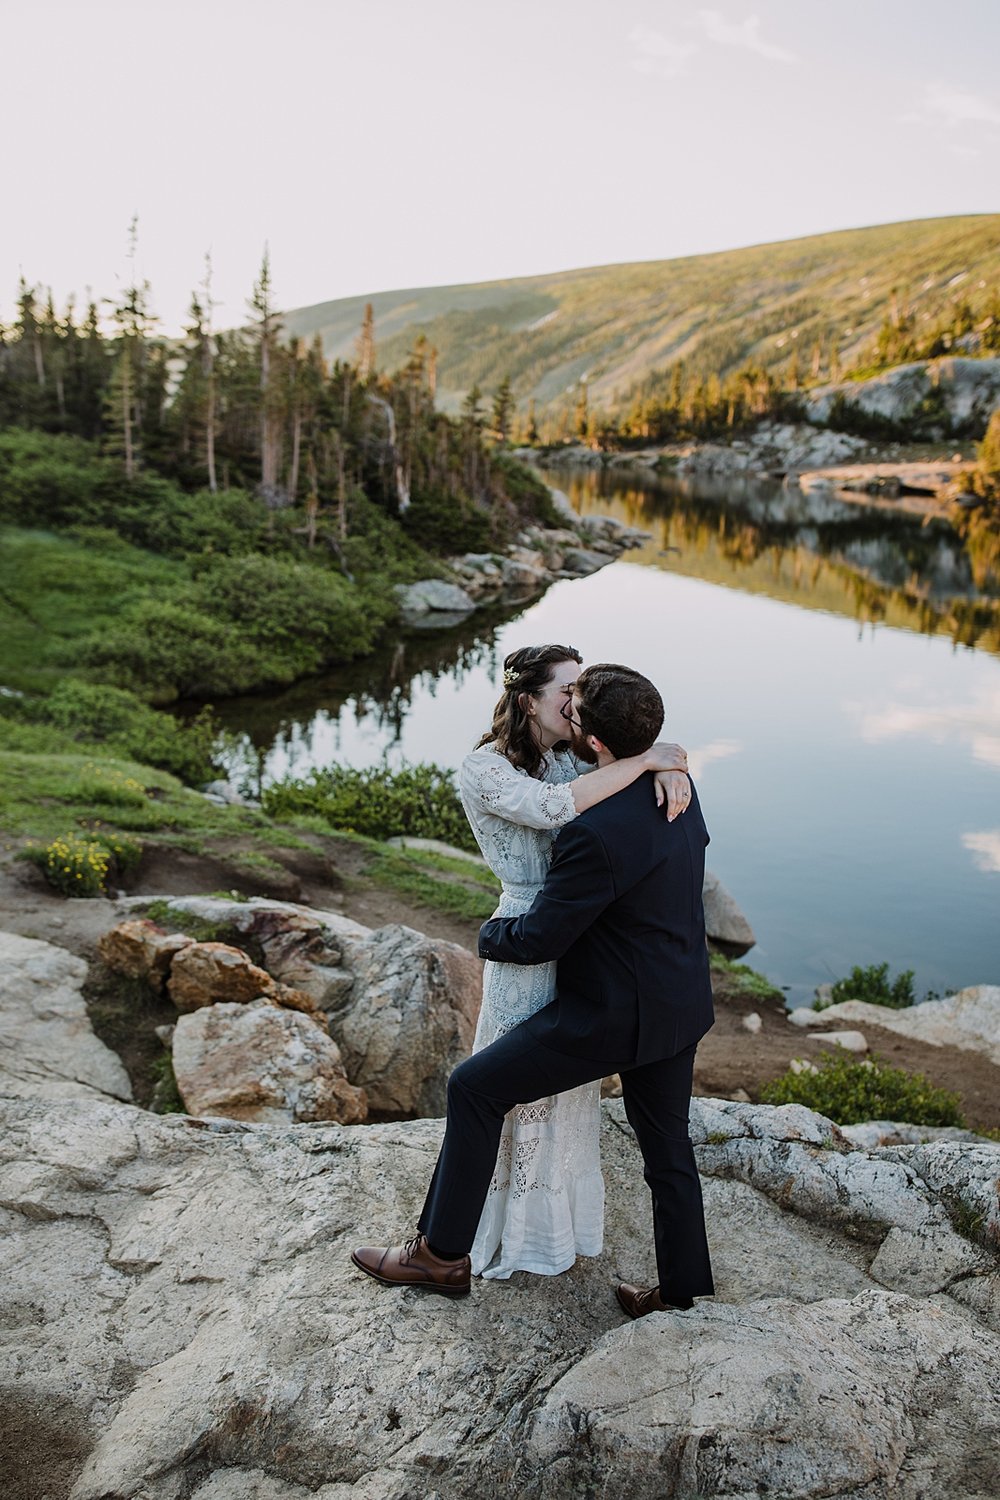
column 179, row 1317
column 208, row 973
column 47, row 1045
column 140, row 949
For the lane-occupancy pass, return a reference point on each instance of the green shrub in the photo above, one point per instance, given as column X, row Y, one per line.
column 848, row 1092
column 447, row 524
column 63, row 482
column 307, row 612
column 167, row 648
column 531, row 495
column 872, row 984
column 97, row 713
column 244, row 623
column 417, row 800
column 156, row 515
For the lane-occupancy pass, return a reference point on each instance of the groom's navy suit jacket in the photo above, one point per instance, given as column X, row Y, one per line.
column 621, row 910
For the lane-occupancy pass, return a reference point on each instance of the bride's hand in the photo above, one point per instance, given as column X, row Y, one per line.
column 666, row 757
column 673, row 788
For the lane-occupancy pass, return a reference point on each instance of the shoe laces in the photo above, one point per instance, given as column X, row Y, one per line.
column 411, row 1246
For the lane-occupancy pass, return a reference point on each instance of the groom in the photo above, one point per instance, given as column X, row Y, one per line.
column 621, row 910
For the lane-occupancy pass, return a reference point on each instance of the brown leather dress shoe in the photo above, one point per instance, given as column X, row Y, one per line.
column 414, row 1264
column 638, row 1301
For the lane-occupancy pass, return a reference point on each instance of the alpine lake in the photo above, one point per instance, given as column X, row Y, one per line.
column 833, row 669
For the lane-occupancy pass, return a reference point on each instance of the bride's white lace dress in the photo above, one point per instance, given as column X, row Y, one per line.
column 546, row 1201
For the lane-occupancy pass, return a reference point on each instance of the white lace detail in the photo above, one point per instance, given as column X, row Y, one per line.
column 546, row 1200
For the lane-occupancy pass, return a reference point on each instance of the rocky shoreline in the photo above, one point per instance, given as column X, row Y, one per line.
column 540, row 556
column 813, row 455
column 850, row 469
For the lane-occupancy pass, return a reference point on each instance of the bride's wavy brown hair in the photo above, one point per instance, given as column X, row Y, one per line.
column 511, row 732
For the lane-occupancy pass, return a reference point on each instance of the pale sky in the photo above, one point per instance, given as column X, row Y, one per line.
column 391, row 143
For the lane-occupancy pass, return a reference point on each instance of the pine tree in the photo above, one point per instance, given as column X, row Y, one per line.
column 987, row 478
column 531, row 433
column 472, row 426
column 817, row 360
column 581, row 414
column 503, row 410
column 271, row 394
column 29, row 329
column 195, row 403
column 125, row 395
column 365, row 345
column 208, row 373
column 792, row 377
column 93, row 371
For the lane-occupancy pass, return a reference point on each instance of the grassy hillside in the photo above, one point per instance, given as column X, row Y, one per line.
column 614, row 324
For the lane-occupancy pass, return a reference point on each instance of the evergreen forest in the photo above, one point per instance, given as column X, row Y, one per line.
column 220, row 513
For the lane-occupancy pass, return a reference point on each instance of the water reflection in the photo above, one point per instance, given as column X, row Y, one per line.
column 975, row 725
column 984, row 848
column 866, row 562
column 289, row 732
column 848, row 769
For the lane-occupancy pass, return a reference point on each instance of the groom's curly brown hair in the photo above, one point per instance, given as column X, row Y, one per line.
column 620, row 706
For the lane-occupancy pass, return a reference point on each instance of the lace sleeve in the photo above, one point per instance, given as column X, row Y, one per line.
column 491, row 784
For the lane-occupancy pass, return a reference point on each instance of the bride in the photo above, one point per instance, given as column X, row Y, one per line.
column 518, row 787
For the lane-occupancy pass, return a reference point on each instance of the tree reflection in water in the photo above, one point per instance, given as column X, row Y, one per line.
column 812, row 550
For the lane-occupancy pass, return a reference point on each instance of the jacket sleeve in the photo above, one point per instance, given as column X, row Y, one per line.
column 578, row 887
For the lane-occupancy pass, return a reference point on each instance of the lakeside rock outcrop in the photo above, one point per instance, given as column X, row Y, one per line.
column 949, row 395
column 179, row 1319
column 185, row 1323
column 962, row 390
column 540, row 556
column 401, row 1008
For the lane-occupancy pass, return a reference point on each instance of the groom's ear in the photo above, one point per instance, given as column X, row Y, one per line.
column 598, row 746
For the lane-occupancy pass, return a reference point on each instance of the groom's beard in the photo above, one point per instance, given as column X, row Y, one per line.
column 580, row 748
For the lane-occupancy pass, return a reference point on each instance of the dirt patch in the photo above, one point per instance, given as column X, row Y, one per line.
column 731, row 1058
column 44, row 1443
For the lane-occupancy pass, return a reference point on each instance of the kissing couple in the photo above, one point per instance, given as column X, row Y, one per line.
column 601, row 913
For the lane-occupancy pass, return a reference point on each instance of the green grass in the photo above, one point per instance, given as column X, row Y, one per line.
column 748, row 981
column 44, row 796
column 453, row 886
column 166, row 1098
column 165, row 914
column 55, row 590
